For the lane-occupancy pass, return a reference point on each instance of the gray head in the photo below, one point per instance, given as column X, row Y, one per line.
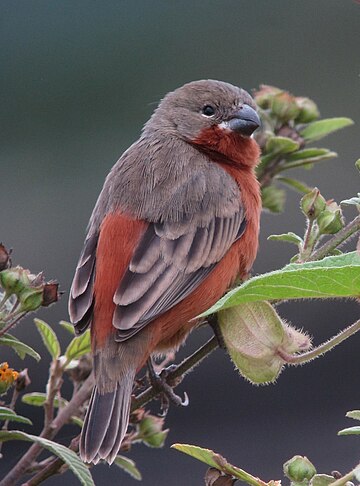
column 197, row 106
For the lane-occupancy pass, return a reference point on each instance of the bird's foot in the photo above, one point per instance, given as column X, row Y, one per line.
column 158, row 381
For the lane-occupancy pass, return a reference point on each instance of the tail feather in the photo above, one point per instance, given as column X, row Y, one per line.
column 106, row 422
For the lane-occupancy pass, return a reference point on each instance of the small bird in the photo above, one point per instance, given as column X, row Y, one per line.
column 176, row 223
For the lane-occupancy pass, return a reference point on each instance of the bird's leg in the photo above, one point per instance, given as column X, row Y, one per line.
column 158, row 381
column 214, row 323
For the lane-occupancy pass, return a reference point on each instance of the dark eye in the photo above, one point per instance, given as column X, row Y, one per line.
column 208, row 110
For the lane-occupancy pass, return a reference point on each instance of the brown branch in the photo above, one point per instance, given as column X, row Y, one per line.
column 49, row 432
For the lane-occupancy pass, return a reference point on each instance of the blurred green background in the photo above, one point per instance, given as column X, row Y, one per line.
column 78, row 81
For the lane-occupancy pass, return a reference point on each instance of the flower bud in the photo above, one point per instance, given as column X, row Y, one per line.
column 330, row 220
column 30, row 299
column 312, row 204
column 257, row 339
column 265, row 95
column 284, row 107
column 7, row 377
column 308, row 110
column 14, row 280
column 5, row 261
column 151, row 432
column 299, row 469
column 50, row 293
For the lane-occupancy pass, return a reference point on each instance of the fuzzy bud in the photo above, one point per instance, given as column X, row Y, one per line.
column 308, row 110
column 265, row 95
column 330, row 220
column 257, row 339
column 30, row 299
column 312, row 204
column 285, row 107
column 14, row 280
column 299, row 469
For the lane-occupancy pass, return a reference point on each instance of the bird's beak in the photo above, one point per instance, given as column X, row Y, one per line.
column 244, row 121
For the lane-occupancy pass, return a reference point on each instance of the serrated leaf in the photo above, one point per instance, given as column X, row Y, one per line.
column 128, row 466
column 49, row 338
column 68, row 326
column 311, row 155
column 350, row 431
column 288, row 237
column 295, row 184
column 334, row 276
column 322, row 128
column 78, row 346
column 37, row 399
column 19, row 347
column 354, row 414
column 69, row 457
column 8, row 414
column 213, row 459
column 281, row 145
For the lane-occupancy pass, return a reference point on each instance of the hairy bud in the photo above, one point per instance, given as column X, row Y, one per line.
column 312, row 204
column 299, row 469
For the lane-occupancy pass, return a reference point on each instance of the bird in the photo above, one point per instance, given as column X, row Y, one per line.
column 175, row 225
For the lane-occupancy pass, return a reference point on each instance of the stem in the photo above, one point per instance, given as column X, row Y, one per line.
column 182, row 370
column 4, row 299
column 9, row 326
column 337, row 240
column 348, row 477
column 49, row 432
column 323, row 348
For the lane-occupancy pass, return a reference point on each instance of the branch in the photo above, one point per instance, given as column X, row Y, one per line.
column 175, row 377
column 339, row 238
column 49, row 432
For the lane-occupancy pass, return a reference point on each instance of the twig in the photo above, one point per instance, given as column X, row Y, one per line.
column 344, row 479
column 182, row 370
column 9, row 326
column 338, row 239
column 49, row 432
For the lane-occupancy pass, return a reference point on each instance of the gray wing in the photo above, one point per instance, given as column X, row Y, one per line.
column 168, row 264
column 82, row 292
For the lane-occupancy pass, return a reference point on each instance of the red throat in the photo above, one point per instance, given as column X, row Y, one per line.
column 226, row 146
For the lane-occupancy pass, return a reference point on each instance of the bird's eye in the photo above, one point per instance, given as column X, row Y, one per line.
column 208, row 110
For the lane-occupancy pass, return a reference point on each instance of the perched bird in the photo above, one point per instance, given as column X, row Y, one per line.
column 175, row 224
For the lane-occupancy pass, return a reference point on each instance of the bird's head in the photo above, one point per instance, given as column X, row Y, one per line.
column 210, row 114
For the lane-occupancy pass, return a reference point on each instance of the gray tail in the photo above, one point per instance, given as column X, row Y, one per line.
column 106, row 422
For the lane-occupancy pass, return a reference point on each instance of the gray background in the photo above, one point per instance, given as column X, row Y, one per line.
column 78, row 80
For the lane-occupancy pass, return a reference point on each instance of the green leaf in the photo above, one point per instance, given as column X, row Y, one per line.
column 311, row 155
column 295, row 184
column 68, row 326
column 129, row 466
column 322, row 128
column 213, row 459
column 49, row 338
column 281, row 145
column 69, row 457
column 350, row 431
column 37, row 399
column 354, row 201
column 322, row 480
column 288, row 237
column 8, row 414
column 354, row 414
column 19, row 347
column 78, row 346
column 334, row 276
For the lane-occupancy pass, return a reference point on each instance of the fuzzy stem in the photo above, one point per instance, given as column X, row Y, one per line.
column 323, row 348
column 338, row 239
column 344, row 479
column 11, row 324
